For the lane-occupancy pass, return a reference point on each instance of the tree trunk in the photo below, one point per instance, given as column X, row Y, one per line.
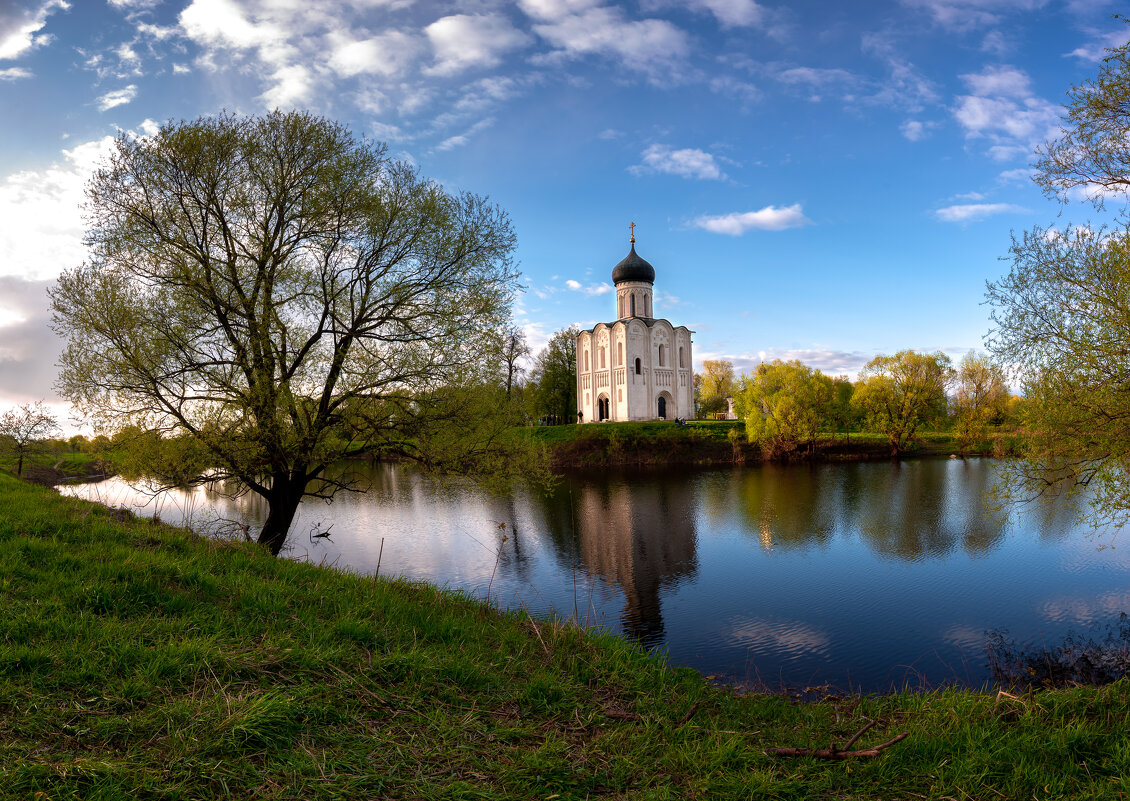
column 20, row 464
column 282, row 505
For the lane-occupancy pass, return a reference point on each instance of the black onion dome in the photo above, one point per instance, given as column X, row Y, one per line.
column 633, row 268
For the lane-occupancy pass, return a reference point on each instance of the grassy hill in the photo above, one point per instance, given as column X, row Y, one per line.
column 141, row 662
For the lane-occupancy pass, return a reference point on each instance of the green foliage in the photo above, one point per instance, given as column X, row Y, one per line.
column 713, row 386
column 981, row 399
column 843, row 415
column 898, row 394
column 553, row 380
column 784, row 405
column 1061, row 314
column 281, row 293
column 1092, row 153
column 24, row 431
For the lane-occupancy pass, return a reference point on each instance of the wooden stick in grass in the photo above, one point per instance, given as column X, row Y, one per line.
column 837, row 753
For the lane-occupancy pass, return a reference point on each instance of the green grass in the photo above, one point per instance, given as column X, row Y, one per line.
column 138, row 661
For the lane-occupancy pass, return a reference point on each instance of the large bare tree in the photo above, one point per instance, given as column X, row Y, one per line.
column 273, row 294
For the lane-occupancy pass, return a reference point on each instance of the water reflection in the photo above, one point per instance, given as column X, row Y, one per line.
column 901, row 510
column 802, row 574
column 636, row 532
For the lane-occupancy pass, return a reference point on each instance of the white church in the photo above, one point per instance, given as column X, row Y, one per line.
column 638, row 367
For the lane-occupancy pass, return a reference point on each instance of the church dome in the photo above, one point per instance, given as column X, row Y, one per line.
column 633, row 268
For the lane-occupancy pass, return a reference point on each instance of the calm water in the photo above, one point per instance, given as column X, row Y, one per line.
column 859, row 575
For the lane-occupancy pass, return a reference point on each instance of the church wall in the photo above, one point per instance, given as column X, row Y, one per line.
column 619, row 372
column 585, row 399
column 639, row 386
column 685, row 395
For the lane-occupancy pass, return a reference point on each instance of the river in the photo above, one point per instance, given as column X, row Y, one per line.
column 863, row 576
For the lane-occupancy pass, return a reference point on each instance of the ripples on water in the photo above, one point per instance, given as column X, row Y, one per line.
column 863, row 576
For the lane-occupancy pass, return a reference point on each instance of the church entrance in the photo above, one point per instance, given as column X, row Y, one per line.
column 602, row 411
column 662, row 408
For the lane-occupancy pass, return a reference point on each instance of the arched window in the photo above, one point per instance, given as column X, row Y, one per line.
column 637, row 366
column 633, row 305
column 586, row 361
column 646, row 306
column 682, row 361
column 660, row 355
column 620, row 355
column 602, row 365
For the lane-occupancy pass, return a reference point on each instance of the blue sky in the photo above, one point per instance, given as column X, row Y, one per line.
column 810, row 180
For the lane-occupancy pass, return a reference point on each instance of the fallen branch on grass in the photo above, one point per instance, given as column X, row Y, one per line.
column 835, row 752
column 688, row 716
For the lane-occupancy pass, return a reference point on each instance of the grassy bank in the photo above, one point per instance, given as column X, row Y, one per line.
column 720, row 442
column 54, row 464
column 138, row 661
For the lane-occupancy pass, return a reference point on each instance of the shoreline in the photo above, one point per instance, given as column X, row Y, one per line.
column 711, row 444
column 137, row 659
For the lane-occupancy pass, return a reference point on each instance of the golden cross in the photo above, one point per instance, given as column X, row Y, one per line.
column 633, row 227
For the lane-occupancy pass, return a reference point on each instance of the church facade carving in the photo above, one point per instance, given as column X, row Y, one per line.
column 637, row 367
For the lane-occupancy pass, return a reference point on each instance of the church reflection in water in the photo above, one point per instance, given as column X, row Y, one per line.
column 635, row 532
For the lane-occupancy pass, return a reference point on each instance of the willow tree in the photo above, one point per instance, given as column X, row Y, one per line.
column 271, row 294
column 1061, row 316
column 901, row 393
column 784, row 405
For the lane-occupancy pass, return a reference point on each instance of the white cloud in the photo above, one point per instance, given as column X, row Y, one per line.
column 1096, row 50
column 1003, row 110
column 1020, row 175
column 964, row 15
column 462, row 41
column 555, row 9
column 158, row 32
column 769, row 218
column 904, row 87
column 293, row 86
column 19, row 27
column 686, row 162
column 1002, row 81
column 14, row 74
column 43, row 226
column 222, row 23
column 730, row 86
column 733, row 13
column 1027, row 120
column 29, row 350
column 578, row 28
column 592, row 289
column 118, row 97
column 916, row 130
column 387, row 54
column 461, row 139
column 815, row 76
column 973, row 212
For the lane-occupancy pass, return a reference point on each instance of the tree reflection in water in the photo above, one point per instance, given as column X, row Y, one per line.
column 908, row 510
